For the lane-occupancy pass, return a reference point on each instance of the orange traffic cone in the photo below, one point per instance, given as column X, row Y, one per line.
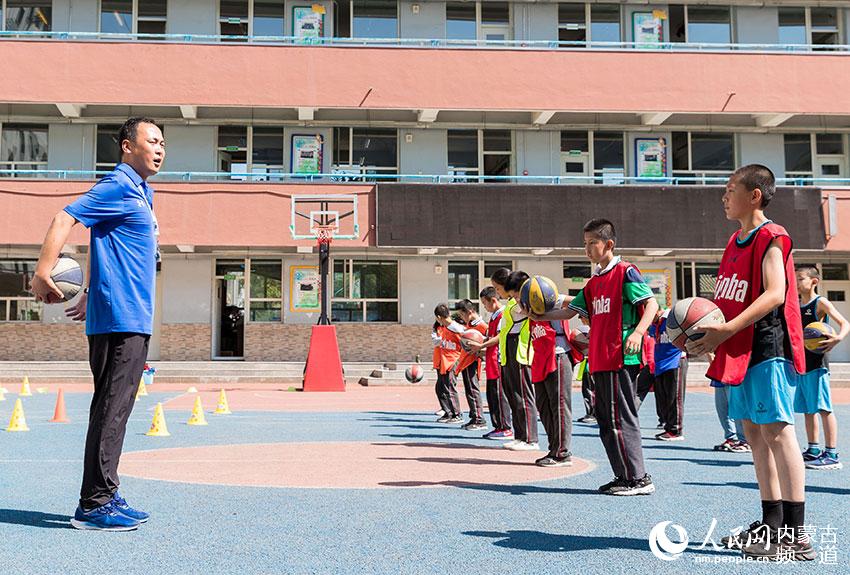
column 59, row 414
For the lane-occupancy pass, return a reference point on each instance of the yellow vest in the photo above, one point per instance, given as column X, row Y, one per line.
column 524, row 352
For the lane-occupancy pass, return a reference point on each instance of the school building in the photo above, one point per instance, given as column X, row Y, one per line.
column 439, row 140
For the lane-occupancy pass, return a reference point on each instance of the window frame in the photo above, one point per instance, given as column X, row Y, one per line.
column 691, row 172
column 135, row 19
column 273, row 171
column 39, row 165
column 804, row 177
column 249, row 299
column 6, row 301
column 357, row 172
column 351, row 20
column 3, row 12
column 364, row 302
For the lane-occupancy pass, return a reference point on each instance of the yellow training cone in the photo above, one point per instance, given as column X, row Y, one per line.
column 25, row 388
column 158, row 426
column 222, row 408
column 197, row 414
column 192, row 389
column 143, row 389
column 18, row 421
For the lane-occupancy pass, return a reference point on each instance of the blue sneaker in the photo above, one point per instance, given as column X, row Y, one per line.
column 812, row 454
column 103, row 518
column 827, row 460
column 124, row 508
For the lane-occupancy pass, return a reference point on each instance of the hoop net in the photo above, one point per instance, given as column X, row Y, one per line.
column 324, row 234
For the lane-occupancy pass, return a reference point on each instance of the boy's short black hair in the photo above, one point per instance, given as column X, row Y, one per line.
column 489, row 292
column 456, row 318
column 465, row 305
column 442, row 310
column 754, row 176
column 130, row 129
column 602, row 229
column 809, row 270
column 500, row 276
column 515, row 281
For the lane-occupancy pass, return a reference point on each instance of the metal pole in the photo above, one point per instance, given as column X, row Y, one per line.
column 324, row 258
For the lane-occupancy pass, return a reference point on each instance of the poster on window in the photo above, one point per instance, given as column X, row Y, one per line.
column 304, row 288
column 307, row 154
column 661, row 286
column 648, row 29
column 651, row 154
column 308, row 22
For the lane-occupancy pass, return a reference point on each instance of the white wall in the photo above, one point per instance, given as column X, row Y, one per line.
column 190, row 148
column 429, row 23
column 767, row 149
column 192, row 17
column 420, row 289
column 426, row 154
column 71, row 147
column 186, row 288
column 538, row 152
column 75, row 15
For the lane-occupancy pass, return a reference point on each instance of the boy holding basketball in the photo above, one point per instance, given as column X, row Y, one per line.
column 812, row 395
column 620, row 307
column 469, row 366
column 497, row 400
column 759, row 352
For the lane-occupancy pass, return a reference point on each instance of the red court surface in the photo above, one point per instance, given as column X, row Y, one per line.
column 353, row 465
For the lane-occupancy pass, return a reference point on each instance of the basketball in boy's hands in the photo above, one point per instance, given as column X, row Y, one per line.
column 470, row 335
column 688, row 315
column 68, row 276
column 814, row 335
column 538, row 294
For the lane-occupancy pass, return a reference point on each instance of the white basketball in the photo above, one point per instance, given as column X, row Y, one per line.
column 68, row 276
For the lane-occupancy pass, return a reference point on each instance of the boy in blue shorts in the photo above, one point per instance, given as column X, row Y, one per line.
column 812, row 395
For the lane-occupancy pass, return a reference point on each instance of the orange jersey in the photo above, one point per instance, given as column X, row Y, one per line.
column 449, row 350
column 467, row 358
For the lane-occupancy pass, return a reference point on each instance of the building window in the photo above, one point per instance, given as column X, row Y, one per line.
column 836, row 295
column 812, row 26
column 268, row 18
column 609, row 157
column 133, row 17
column 463, row 154
column 495, row 21
column 367, row 151
column 23, row 147
column 577, row 270
column 262, row 144
column 798, row 156
column 365, row 291
column 605, row 23
column 463, row 281
column 702, row 155
column 461, row 21
column 266, row 293
column 834, row 272
column 497, row 152
column 695, row 280
column 572, row 22
column 700, row 24
column 25, row 16
column 234, row 19
column 107, row 148
column 814, row 156
column 16, row 302
column 374, row 19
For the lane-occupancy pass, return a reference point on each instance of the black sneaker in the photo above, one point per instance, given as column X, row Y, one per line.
column 550, row 461
column 755, row 532
column 799, row 550
column 762, row 546
column 475, row 426
column 616, row 482
column 456, row 419
column 467, row 424
column 444, row 419
column 642, row 486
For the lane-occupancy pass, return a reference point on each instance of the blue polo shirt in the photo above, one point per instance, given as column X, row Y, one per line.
column 119, row 212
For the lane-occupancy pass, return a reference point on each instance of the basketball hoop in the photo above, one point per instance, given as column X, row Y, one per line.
column 324, row 234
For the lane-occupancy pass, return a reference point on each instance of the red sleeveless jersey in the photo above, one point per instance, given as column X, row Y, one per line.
column 491, row 359
column 543, row 341
column 739, row 283
column 603, row 296
column 449, row 349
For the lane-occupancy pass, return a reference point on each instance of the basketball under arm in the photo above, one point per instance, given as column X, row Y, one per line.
column 825, row 306
column 56, row 237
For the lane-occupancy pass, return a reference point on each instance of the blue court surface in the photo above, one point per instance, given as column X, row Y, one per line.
column 464, row 527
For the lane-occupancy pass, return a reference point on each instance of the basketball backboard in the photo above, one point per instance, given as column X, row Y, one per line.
column 338, row 212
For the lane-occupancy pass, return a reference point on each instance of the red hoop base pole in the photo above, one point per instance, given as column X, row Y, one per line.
column 324, row 366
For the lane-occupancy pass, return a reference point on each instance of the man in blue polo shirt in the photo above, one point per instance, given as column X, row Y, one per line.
column 118, row 308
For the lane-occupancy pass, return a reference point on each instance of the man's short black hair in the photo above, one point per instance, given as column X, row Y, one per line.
column 515, row 281
column 601, row 228
column 130, row 129
column 441, row 310
column 754, row 176
column 500, row 276
column 489, row 292
column 465, row 305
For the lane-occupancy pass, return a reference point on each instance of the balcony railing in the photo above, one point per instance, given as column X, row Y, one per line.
column 336, row 178
column 428, row 43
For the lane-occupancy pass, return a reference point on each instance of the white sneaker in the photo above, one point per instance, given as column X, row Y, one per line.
column 439, row 413
column 510, row 444
column 523, row 446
